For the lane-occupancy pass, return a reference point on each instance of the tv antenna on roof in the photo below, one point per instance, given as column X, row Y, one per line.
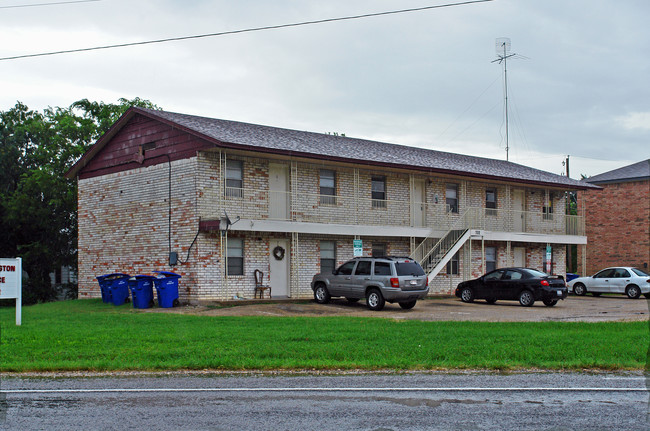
column 502, row 47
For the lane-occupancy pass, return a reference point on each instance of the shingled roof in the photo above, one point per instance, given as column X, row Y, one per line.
column 233, row 134
column 634, row 172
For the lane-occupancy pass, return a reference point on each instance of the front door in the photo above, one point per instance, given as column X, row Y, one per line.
column 278, row 191
column 279, row 267
column 518, row 214
column 520, row 257
column 418, row 207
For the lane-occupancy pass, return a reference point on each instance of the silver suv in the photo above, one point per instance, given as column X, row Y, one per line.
column 378, row 279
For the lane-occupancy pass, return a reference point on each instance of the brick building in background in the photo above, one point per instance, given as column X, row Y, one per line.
column 617, row 219
column 156, row 187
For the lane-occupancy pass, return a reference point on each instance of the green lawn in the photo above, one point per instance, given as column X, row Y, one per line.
column 90, row 335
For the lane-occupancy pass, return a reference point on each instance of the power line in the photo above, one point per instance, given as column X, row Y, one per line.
column 248, row 30
column 47, row 4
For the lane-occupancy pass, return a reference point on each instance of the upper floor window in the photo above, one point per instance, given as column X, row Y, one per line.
column 235, row 256
column 491, row 201
column 234, row 178
column 378, row 192
column 547, row 209
column 327, row 256
column 452, row 198
column 327, row 187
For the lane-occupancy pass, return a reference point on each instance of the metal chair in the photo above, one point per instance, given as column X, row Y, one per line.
column 259, row 286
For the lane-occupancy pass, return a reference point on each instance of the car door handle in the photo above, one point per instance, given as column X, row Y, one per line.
column 348, row 278
column 367, row 278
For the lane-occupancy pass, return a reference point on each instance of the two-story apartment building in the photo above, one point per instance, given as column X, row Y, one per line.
column 159, row 185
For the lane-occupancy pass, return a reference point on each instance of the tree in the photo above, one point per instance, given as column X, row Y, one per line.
column 38, row 205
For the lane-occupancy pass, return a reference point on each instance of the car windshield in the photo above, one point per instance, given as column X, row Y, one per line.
column 409, row 268
column 536, row 273
column 640, row 272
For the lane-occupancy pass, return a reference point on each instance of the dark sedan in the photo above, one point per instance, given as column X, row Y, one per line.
column 523, row 284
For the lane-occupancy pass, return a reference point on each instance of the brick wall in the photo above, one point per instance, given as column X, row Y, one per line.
column 123, row 223
column 618, row 226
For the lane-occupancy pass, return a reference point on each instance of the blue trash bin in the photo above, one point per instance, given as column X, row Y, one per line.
column 167, row 288
column 105, row 282
column 119, row 290
column 141, row 287
column 570, row 276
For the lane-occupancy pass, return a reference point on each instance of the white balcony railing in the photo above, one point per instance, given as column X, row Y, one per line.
column 317, row 208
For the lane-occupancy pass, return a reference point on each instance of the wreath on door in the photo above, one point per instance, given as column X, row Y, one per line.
column 278, row 253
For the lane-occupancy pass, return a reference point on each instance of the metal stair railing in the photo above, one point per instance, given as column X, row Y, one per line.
column 436, row 253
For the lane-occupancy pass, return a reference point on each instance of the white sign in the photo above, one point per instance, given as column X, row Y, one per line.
column 11, row 283
column 357, row 246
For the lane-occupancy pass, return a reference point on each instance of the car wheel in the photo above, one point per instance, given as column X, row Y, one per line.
column 374, row 300
column 633, row 291
column 321, row 295
column 579, row 289
column 491, row 300
column 352, row 300
column 596, row 294
column 408, row 304
column 550, row 302
column 526, row 298
column 467, row 295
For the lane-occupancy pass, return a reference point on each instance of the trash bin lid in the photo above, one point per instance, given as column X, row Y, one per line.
column 115, row 275
column 141, row 276
column 168, row 274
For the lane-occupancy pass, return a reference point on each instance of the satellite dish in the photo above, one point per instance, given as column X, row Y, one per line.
column 225, row 222
column 502, row 46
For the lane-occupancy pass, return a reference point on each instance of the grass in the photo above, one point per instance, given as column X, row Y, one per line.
column 90, row 335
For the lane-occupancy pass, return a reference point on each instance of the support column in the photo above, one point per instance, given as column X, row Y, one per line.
column 294, row 286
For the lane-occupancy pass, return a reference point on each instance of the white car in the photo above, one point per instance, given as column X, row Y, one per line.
column 621, row 279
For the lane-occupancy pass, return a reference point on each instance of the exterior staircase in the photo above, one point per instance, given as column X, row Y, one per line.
column 434, row 255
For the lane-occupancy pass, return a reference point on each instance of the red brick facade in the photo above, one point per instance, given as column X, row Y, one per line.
column 617, row 224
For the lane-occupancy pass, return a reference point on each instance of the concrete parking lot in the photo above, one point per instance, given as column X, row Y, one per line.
column 573, row 309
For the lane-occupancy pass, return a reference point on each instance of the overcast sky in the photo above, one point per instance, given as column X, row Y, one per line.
column 579, row 86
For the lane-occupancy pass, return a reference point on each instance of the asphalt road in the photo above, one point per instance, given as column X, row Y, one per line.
column 439, row 401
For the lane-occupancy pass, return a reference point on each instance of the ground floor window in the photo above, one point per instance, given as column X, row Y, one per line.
column 378, row 249
column 490, row 259
column 327, row 256
column 452, row 265
column 235, row 256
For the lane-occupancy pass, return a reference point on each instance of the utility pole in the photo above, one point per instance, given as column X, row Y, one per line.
column 567, row 166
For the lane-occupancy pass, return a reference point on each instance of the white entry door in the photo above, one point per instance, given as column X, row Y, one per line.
column 418, row 207
column 279, row 268
column 518, row 215
column 278, row 191
column 520, row 257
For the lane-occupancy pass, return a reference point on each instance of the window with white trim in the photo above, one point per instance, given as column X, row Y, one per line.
column 327, row 187
column 451, row 198
column 234, row 178
column 490, row 259
column 327, row 256
column 491, row 201
column 235, row 256
column 378, row 192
